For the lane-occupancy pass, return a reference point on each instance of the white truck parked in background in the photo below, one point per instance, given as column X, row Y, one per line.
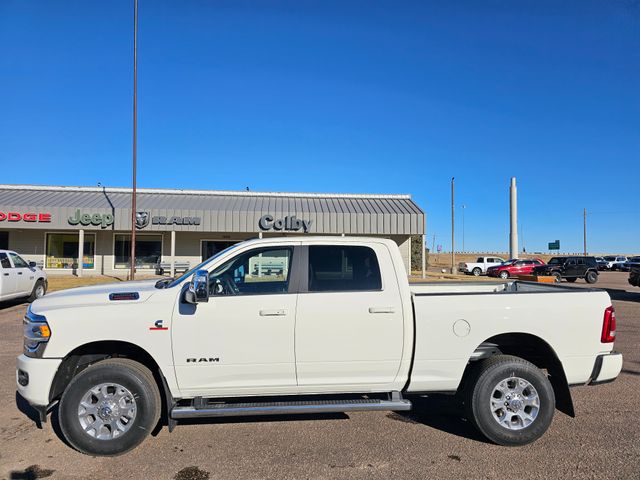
column 480, row 266
column 20, row 279
column 339, row 329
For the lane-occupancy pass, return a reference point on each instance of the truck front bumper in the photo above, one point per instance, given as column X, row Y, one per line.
column 34, row 377
column 606, row 368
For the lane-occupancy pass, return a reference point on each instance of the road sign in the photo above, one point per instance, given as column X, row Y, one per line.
column 554, row 245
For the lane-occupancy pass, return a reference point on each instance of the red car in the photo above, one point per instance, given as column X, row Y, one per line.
column 514, row 267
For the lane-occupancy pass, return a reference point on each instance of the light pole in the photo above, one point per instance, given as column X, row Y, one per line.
column 132, row 273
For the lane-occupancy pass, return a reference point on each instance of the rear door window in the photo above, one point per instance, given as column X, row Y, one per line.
column 336, row 268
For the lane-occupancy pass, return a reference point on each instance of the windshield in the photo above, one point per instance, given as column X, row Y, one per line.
column 610, row 259
column 168, row 283
column 557, row 261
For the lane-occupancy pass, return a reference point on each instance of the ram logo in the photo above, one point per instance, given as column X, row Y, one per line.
column 203, row 360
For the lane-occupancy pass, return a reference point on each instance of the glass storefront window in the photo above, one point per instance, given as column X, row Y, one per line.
column 62, row 250
column 148, row 251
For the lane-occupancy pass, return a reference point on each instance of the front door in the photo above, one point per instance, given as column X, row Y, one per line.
column 349, row 323
column 24, row 274
column 241, row 341
column 9, row 278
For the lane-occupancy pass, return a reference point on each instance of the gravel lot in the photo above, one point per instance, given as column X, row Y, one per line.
column 602, row 442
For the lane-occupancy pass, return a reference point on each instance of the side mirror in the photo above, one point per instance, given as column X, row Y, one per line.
column 198, row 291
column 33, row 264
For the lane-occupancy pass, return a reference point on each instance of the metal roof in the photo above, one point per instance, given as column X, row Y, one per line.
column 223, row 211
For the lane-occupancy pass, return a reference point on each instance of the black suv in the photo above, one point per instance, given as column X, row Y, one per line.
column 570, row 268
column 634, row 276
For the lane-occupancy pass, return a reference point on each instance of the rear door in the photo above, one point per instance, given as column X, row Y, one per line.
column 7, row 277
column 349, row 319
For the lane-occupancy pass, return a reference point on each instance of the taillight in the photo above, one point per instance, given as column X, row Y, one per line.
column 609, row 326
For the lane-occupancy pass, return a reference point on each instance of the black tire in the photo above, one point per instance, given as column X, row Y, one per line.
column 39, row 289
column 477, row 272
column 591, row 277
column 130, row 374
column 571, row 279
column 557, row 277
column 504, row 274
column 487, row 376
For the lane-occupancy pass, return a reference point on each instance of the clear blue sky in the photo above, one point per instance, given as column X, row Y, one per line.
column 365, row 97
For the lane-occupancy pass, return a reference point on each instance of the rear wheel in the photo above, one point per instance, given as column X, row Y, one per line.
column 110, row 408
column 591, row 277
column 510, row 401
column 476, row 271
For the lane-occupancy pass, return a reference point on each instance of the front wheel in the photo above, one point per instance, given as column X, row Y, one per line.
column 39, row 289
column 557, row 277
column 510, row 401
column 110, row 407
column 504, row 274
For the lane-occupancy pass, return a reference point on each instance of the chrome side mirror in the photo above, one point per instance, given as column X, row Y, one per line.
column 198, row 287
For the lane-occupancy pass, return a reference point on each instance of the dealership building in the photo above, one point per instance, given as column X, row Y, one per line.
column 57, row 226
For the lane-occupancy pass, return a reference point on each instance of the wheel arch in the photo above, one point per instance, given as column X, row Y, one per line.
column 90, row 353
column 535, row 350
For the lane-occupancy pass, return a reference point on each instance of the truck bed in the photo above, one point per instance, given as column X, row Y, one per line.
column 448, row 331
column 482, row 287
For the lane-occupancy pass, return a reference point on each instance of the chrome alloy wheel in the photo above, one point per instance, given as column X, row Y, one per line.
column 514, row 403
column 107, row 411
column 40, row 291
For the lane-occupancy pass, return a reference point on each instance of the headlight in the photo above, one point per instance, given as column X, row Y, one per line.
column 36, row 333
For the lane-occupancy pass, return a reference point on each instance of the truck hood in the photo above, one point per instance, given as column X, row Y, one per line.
column 95, row 295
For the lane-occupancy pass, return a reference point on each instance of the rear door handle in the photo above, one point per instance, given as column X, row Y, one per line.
column 6, row 274
column 19, row 273
column 382, row 310
column 279, row 312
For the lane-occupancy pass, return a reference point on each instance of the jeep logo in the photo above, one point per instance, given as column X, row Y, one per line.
column 86, row 219
column 203, row 360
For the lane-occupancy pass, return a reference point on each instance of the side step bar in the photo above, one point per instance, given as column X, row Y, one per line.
column 397, row 403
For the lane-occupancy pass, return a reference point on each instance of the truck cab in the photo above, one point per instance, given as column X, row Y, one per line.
column 19, row 278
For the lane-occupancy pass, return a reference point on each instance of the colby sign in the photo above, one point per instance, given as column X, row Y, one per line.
column 290, row 223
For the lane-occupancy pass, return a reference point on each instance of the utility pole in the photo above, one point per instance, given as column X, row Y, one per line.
column 584, row 231
column 132, row 274
column 453, row 240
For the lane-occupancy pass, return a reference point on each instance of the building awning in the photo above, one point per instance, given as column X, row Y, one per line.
column 97, row 208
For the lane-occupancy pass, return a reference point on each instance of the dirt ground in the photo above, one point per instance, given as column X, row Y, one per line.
column 434, row 441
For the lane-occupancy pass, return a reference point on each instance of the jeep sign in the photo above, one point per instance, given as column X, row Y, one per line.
column 288, row 223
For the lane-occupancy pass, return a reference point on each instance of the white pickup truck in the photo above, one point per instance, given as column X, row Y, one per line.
column 20, row 279
column 336, row 329
column 480, row 266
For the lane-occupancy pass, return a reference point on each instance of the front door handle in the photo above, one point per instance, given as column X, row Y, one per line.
column 278, row 312
column 19, row 273
column 382, row 310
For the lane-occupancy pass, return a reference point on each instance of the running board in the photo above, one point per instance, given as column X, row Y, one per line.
column 289, row 408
